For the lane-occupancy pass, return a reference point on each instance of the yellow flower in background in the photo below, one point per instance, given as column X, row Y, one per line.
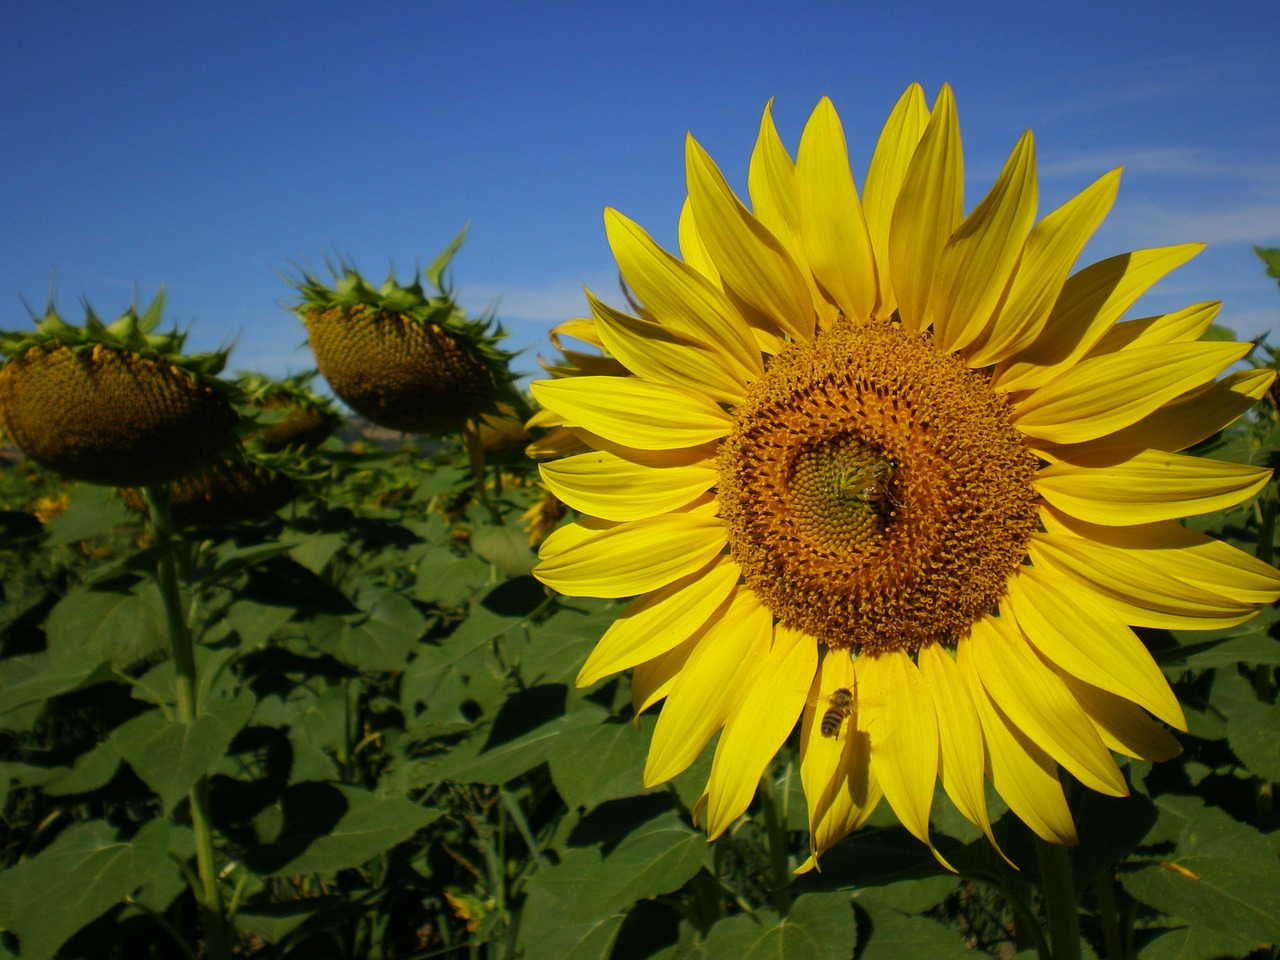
column 895, row 472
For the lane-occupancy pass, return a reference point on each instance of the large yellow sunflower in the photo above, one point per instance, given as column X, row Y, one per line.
column 891, row 471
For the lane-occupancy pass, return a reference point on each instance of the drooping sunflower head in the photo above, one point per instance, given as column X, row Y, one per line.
column 889, row 470
column 287, row 413
column 400, row 356
column 114, row 404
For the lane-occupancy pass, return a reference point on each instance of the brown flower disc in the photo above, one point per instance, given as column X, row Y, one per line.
column 224, row 494
column 399, row 372
column 110, row 416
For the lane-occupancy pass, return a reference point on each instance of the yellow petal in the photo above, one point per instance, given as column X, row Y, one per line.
column 1047, row 257
column 716, row 675
column 663, row 354
column 1073, row 629
column 1022, row 773
column 833, row 230
column 750, row 259
column 1140, row 595
column 835, row 771
column 979, row 258
column 960, row 737
column 649, row 416
column 682, row 298
column 1181, row 326
column 692, row 249
column 652, row 680
column 1192, row 417
column 661, row 620
column 580, row 328
column 1040, row 706
column 1091, row 301
column 607, row 486
column 771, row 182
column 930, row 205
column 1149, row 486
column 1122, row 725
column 898, row 141
column 904, row 738
column 758, row 723
column 558, row 443
column 627, row 559
column 1102, row 394
column 1187, row 555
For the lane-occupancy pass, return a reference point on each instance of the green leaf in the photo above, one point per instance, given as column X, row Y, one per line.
column 582, row 899
column 1222, row 874
column 891, row 935
column 817, row 927
column 92, row 770
column 1253, row 728
column 505, row 547
column 328, row 827
column 77, row 878
column 446, row 579
column 383, row 639
column 123, row 624
column 519, row 739
column 595, row 758
column 255, row 622
column 77, row 668
column 228, row 561
column 170, row 756
column 1196, row 943
column 560, row 645
column 317, row 550
column 93, row 511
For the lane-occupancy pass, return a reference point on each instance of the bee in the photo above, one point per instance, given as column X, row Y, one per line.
column 878, row 493
column 841, row 704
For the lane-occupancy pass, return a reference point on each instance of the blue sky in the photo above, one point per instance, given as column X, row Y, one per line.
column 210, row 146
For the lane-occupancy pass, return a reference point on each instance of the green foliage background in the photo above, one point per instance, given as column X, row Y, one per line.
column 401, row 765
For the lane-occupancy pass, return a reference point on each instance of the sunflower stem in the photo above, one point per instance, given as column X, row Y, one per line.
column 475, row 452
column 1104, row 891
column 1063, row 914
column 779, row 875
column 181, row 644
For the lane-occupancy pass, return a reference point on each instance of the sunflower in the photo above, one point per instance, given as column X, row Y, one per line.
column 894, row 473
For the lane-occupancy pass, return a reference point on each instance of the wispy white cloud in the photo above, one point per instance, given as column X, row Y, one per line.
column 1177, row 161
column 543, row 304
column 1241, row 223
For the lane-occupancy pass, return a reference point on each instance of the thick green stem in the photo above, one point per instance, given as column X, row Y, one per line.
column 209, row 898
column 1104, row 891
column 1059, row 900
column 779, row 875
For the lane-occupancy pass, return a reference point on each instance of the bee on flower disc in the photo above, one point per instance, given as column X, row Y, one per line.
column 879, row 493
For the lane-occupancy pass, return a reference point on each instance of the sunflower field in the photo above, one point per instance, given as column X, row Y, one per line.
column 866, row 496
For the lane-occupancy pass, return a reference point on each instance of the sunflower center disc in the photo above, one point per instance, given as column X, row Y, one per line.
column 875, row 492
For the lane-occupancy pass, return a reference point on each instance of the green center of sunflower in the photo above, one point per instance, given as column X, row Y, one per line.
column 874, row 491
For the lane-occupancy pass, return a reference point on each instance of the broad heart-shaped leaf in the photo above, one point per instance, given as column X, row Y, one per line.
column 819, row 926
column 379, row 640
column 123, row 622
column 1196, row 943
column 505, row 547
column 255, row 622
column 92, row 770
column 1238, row 887
column 597, row 758
column 1116, row 825
column 170, row 756
column 78, row 877
column 577, row 902
column 93, row 510
column 466, row 650
column 327, row 827
column 76, row 668
column 560, row 644
column 1253, row 727
column 519, row 739
column 446, row 579
column 890, row 935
